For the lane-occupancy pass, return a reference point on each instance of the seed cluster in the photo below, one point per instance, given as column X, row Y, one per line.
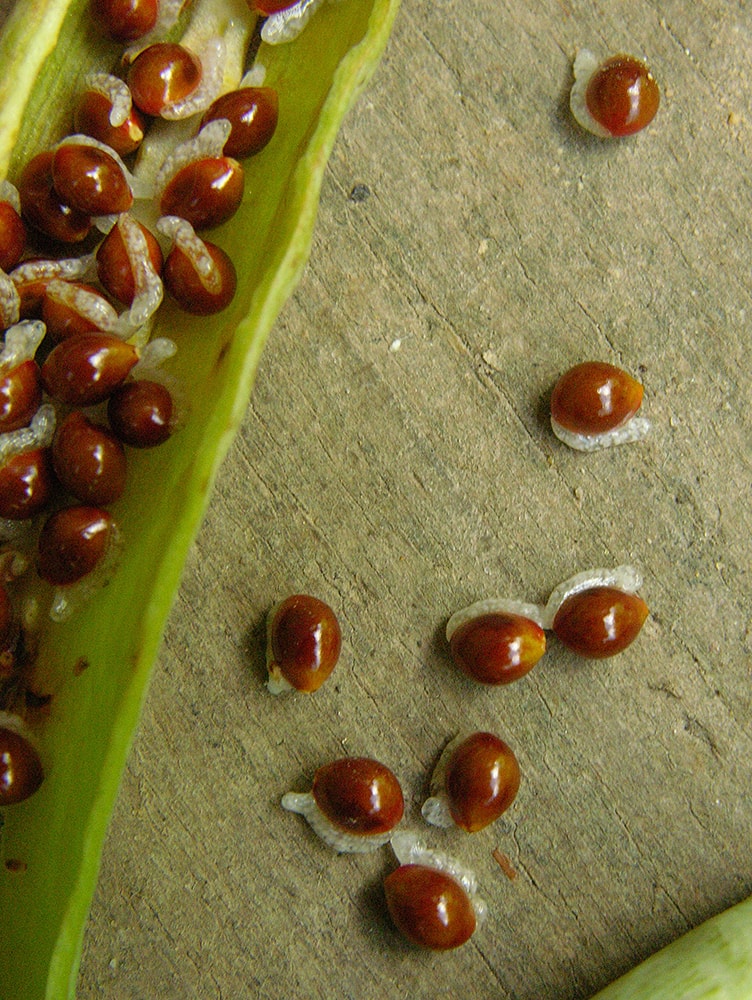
column 90, row 244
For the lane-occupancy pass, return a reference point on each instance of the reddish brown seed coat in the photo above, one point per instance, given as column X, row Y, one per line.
column 89, row 461
column 20, row 395
column 429, row 907
column 481, row 781
column 595, row 397
column 141, row 413
column 61, row 320
column 42, row 207
column 185, row 286
column 206, row 192
column 114, row 266
column 21, row 771
column 87, row 178
column 27, row 483
column 497, row 648
column 305, row 641
column 72, row 542
column 92, row 117
column 85, row 369
column 12, row 236
column 600, row 621
column 126, row 20
column 266, row 7
column 622, row 95
column 163, row 74
column 252, row 113
column 359, row 795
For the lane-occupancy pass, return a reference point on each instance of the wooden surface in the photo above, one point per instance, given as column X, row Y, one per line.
column 396, row 461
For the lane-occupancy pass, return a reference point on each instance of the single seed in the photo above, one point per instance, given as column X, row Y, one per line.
column 141, row 413
column 304, row 643
column 191, row 289
column 497, row 647
column 622, row 95
column 20, row 395
column 12, row 236
column 359, row 795
column 89, row 179
column 27, row 483
column 72, row 543
column 595, row 397
column 42, row 207
column 481, row 781
column 205, row 192
column 163, row 74
column 429, row 907
column 126, row 20
column 599, row 621
column 63, row 319
column 85, row 369
column 89, row 461
column 21, row 771
column 252, row 113
column 92, row 117
column 114, row 267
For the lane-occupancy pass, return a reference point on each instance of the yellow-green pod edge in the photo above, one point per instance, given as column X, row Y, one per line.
column 97, row 666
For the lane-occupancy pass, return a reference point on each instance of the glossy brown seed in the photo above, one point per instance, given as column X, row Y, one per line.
column 27, row 484
column 114, row 267
column 252, row 113
column 600, row 621
column 12, row 236
column 595, row 397
column 162, row 74
column 622, row 95
column 359, row 795
column 89, row 461
column 62, row 320
column 92, row 117
column 85, row 369
column 42, row 207
column 89, row 179
column 72, row 542
column 305, row 642
column 498, row 647
column 481, row 781
column 141, row 413
column 20, row 395
column 125, row 20
column 185, row 285
column 206, row 192
column 429, row 907
column 21, row 771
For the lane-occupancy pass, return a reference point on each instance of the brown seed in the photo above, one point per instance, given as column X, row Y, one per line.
column 20, row 395
column 595, row 397
column 498, row 647
column 126, row 20
column 189, row 288
column 92, row 117
column 141, row 413
column 72, row 543
column 27, row 484
column 482, row 779
column 252, row 113
column 429, row 907
column 21, row 771
column 42, row 207
column 304, row 642
column 89, row 461
column 206, row 192
column 114, row 267
column 63, row 320
column 163, row 74
column 89, row 179
column 359, row 795
column 600, row 621
column 622, row 95
column 85, row 369
column 12, row 236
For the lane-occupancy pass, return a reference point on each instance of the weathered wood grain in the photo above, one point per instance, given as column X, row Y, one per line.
column 396, row 461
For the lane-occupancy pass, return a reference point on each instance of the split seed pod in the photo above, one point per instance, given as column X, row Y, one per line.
column 476, row 779
column 354, row 805
column 303, row 644
column 594, row 405
column 496, row 641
